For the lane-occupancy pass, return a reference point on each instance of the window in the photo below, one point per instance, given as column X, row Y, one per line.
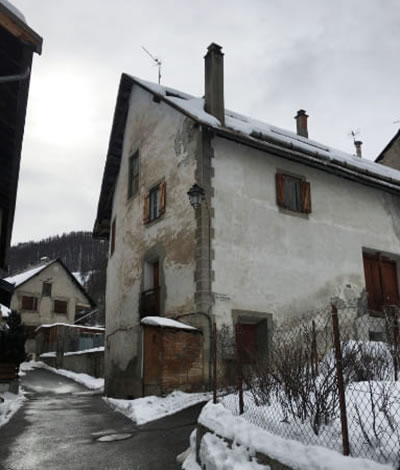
column 154, row 203
column 112, row 244
column 46, row 289
column 29, row 303
column 60, row 306
column 380, row 281
column 133, row 175
column 293, row 193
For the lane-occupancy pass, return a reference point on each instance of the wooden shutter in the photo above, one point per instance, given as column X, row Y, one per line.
column 373, row 282
column 146, row 209
column 280, row 190
column 305, row 195
column 389, row 282
column 162, row 197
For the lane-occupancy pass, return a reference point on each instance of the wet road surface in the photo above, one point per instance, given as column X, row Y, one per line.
column 60, row 424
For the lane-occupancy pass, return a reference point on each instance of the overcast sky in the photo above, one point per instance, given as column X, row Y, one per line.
column 336, row 59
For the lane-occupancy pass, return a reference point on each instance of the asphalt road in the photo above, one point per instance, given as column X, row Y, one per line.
column 60, row 423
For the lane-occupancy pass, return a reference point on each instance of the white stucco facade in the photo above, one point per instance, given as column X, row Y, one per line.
column 284, row 263
column 63, row 288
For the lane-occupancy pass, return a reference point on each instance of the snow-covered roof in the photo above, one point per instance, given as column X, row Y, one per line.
column 51, row 325
column 164, row 322
column 13, row 9
column 5, row 311
column 24, row 276
column 258, row 130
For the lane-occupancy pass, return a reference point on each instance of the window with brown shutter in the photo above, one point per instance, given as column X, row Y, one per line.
column 293, row 194
column 29, row 303
column 380, row 281
column 60, row 306
column 154, row 203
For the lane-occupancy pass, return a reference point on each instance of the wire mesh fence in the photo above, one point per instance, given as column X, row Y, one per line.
column 327, row 379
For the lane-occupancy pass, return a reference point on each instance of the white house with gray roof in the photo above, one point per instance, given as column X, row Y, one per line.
column 283, row 224
column 47, row 293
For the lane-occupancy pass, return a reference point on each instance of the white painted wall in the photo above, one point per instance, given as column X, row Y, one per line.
column 270, row 261
column 63, row 288
column 167, row 152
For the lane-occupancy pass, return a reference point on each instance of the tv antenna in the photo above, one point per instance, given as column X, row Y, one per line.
column 157, row 62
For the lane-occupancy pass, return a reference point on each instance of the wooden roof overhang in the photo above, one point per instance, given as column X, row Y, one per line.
column 18, row 42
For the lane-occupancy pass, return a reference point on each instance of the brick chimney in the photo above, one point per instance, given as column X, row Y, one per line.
column 301, row 123
column 214, row 82
column 358, row 144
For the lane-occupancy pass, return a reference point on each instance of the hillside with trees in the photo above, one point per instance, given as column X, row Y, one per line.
column 80, row 252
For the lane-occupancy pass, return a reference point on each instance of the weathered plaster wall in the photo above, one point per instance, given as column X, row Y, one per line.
column 270, row 261
column 167, row 142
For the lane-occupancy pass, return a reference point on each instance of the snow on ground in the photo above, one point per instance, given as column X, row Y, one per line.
column 87, row 380
column 254, row 439
column 143, row 410
column 11, row 404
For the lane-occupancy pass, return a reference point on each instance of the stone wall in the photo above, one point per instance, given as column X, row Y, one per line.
column 91, row 363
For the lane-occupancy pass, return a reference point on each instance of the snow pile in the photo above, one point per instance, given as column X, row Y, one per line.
column 73, row 353
column 4, row 311
column 143, row 410
column 164, row 322
column 10, row 403
column 253, row 439
column 87, row 380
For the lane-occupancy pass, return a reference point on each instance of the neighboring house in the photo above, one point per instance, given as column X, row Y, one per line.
column 45, row 294
column 390, row 155
column 281, row 225
column 18, row 42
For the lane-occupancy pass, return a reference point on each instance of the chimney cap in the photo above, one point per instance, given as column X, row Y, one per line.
column 214, row 47
column 301, row 112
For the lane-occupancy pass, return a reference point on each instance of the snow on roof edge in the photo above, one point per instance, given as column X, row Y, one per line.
column 248, row 127
column 165, row 322
column 14, row 10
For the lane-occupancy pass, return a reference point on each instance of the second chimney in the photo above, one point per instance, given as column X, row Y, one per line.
column 358, row 144
column 301, row 122
column 214, row 82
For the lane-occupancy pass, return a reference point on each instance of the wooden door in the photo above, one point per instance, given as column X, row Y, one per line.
column 246, row 337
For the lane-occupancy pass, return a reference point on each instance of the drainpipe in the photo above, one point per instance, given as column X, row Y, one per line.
column 16, row 78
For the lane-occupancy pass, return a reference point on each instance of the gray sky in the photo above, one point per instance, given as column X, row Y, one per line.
column 336, row 59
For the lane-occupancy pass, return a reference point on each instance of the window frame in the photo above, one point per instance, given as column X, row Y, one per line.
column 301, row 198
column 133, row 175
column 60, row 301
column 35, row 303
column 48, row 286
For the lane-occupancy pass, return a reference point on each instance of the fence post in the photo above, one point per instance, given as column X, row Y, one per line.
column 340, row 381
column 214, row 348
column 395, row 343
column 239, row 375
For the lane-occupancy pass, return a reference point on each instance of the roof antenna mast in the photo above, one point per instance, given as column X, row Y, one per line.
column 157, row 62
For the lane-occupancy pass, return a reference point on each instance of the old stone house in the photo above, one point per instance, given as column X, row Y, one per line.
column 45, row 294
column 18, row 43
column 281, row 223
